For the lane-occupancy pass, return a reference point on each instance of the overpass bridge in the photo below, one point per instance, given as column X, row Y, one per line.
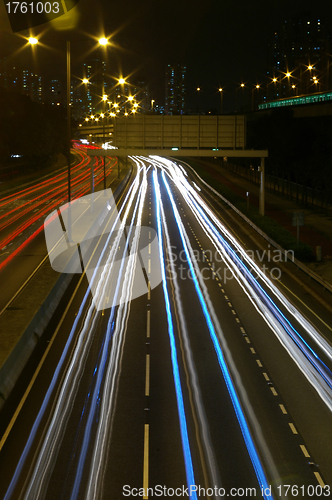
column 177, row 135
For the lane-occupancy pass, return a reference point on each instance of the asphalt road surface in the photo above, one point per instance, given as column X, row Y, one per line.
column 175, row 367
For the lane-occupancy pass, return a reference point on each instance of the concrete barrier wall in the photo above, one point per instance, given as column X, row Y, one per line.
column 16, row 361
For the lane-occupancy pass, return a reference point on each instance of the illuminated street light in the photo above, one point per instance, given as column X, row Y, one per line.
column 85, row 80
column 221, row 98
column 122, row 81
column 257, row 87
column 288, row 74
column 103, row 41
column 34, row 41
column 105, row 97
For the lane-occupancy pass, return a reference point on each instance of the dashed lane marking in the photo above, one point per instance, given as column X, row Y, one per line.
column 305, row 451
column 283, row 409
column 293, row 428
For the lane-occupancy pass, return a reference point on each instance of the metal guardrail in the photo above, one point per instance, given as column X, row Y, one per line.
column 299, row 264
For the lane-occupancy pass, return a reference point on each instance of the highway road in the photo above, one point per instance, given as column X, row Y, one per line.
column 186, row 371
column 22, row 214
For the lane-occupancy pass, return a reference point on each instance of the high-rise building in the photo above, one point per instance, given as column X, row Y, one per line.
column 10, row 76
column 142, row 95
column 54, row 92
column 32, row 85
column 94, row 71
column 175, row 89
column 298, row 57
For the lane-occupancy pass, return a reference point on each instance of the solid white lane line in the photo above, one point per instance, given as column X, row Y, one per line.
column 146, row 462
column 305, row 305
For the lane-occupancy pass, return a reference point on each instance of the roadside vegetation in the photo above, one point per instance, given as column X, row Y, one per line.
column 32, row 134
column 278, row 233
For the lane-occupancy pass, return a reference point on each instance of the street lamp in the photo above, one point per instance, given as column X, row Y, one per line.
column 221, row 98
column 257, row 87
column 103, row 42
column 34, row 41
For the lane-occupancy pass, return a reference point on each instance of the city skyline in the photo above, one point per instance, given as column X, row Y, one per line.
column 211, row 64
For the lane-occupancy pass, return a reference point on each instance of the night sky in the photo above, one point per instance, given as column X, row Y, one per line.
column 222, row 43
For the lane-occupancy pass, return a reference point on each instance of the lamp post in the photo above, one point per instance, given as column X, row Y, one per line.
column 242, row 85
column 68, row 121
column 34, row 41
column 221, row 98
column 257, row 87
column 274, row 81
column 310, row 68
column 103, row 42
